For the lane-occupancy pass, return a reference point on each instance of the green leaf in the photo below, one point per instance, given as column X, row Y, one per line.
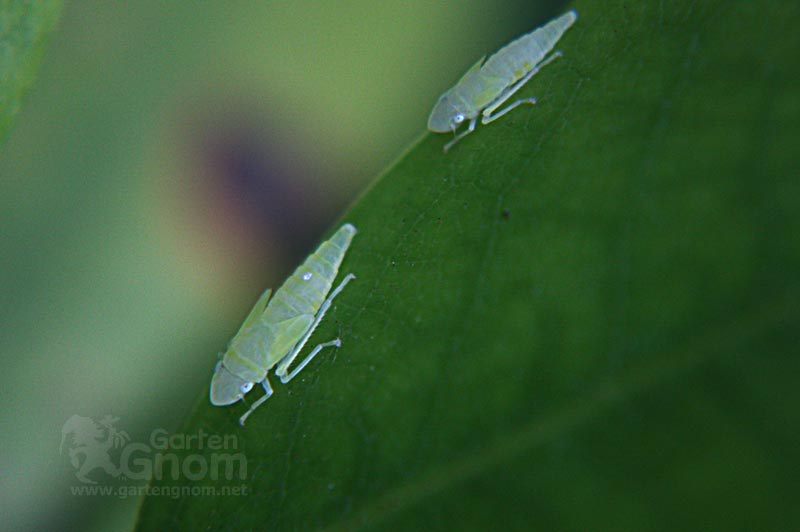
column 583, row 317
column 24, row 28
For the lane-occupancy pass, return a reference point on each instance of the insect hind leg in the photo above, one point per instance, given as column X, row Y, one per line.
column 285, row 362
column 487, row 116
column 286, row 378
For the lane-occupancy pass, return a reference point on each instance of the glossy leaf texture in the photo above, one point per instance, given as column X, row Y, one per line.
column 24, row 28
column 583, row 317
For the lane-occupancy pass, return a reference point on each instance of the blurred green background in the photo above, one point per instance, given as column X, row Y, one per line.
column 172, row 160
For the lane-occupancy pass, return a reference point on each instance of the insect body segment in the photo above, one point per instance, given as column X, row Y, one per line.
column 487, row 85
column 277, row 329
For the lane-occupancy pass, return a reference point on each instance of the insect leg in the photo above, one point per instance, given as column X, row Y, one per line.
column 267, row 393
column 286, row 378
column 463, row 134
column 286, row 361
column 487, row 115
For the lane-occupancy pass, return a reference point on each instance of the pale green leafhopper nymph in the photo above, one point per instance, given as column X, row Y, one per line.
column 487, row 86
column 277, row 329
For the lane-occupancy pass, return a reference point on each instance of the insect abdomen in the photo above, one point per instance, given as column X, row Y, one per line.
column 308, row 286
column 517, row 58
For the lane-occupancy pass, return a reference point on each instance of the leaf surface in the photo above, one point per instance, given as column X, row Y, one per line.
column 583, row 317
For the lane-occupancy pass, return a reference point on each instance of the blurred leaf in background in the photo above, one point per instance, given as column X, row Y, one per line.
column 24, row 28
column 583, row 317
column 171, row 161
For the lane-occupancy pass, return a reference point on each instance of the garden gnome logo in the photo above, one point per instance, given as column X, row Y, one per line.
column 90, row 443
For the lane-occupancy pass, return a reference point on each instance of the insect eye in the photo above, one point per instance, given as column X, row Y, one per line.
column 246, row 387
column 458, row 118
